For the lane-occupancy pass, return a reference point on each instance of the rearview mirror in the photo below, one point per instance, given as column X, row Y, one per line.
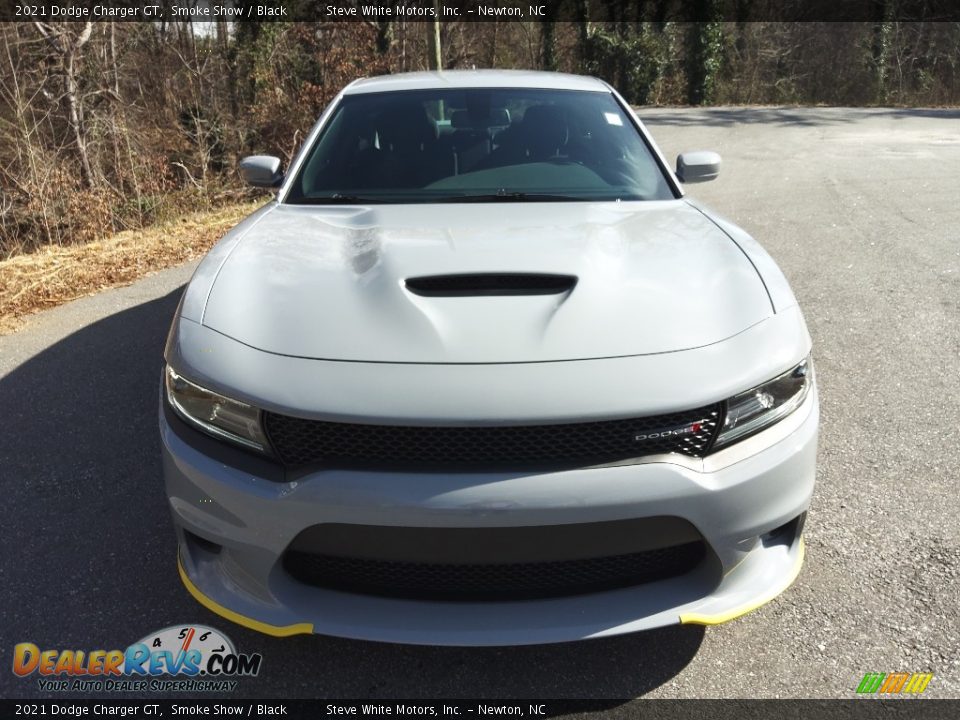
column 699, row 166
column 261, row 171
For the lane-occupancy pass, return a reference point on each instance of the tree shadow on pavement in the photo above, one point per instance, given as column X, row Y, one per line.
column 90, row 558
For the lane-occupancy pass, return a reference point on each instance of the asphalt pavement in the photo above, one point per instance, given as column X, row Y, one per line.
column 861, row 209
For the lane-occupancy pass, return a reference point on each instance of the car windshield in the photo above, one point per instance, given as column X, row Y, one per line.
column 478, row 145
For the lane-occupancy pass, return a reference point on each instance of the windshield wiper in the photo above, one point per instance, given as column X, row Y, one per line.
column 499, row 196
column 509, row 196
column 337, row 199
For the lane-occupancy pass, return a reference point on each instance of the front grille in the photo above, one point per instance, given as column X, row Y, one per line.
column 300, row 442
column 490, row 581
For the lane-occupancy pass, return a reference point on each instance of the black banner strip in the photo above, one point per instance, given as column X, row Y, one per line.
column 478, row 11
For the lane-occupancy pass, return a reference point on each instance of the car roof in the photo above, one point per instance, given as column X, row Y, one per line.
column 452, row 79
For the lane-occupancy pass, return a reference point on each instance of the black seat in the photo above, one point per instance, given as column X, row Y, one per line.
column 470, row 140
column 543, row 131
column 406, row 153
column 540, row 135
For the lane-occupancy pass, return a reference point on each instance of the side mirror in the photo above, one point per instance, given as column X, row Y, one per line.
column 261, row 171
column 699, row 166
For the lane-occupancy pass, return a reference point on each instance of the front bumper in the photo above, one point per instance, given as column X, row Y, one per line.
column 233, row 527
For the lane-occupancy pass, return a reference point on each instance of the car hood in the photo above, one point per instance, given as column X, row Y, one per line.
column 329, row 282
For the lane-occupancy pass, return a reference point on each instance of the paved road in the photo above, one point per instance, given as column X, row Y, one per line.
column 860, row 208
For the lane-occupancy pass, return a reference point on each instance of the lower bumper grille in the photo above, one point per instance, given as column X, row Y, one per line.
column 492, row 581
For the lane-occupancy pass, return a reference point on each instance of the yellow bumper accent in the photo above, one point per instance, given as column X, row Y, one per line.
column 701, row 619
column 275, row 630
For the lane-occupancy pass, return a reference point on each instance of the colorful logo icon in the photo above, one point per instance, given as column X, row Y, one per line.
column 894, row 683
column 184, row 651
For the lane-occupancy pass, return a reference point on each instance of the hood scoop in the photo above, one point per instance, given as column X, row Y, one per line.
column 477, row 284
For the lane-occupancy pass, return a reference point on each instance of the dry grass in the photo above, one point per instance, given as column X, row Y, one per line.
column 55, row 274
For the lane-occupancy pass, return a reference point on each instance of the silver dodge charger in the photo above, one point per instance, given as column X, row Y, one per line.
column 482, row 374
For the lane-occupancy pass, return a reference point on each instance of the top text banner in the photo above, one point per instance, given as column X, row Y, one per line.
column 478, row 10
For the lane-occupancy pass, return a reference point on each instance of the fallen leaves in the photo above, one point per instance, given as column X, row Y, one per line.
column 58, row 274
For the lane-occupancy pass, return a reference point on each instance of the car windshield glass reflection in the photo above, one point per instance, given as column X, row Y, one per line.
column 478, row 145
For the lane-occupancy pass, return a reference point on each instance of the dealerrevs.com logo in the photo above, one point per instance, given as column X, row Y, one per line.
column 190, row 658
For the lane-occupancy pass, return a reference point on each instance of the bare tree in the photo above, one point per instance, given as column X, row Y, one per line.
column 434, row 59
column 68, row 46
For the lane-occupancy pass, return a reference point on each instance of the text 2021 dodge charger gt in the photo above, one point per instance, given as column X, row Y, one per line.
column 481, row 374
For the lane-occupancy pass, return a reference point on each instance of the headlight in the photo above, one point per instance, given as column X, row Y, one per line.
column 215, row 414
column 756, row 409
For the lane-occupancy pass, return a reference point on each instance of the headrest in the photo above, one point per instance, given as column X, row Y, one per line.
column 405, row 127
column 499, row 117
column 460, row 119
column 544, row 129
